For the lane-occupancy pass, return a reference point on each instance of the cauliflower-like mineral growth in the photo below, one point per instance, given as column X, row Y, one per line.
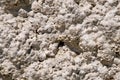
column 59, row 39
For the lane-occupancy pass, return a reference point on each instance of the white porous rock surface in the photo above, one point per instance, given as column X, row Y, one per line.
column 59, row 40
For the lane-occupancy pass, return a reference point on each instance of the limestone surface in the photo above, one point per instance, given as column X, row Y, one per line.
column 59, row 40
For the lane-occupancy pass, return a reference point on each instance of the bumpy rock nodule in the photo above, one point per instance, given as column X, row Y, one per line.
column 59, row 40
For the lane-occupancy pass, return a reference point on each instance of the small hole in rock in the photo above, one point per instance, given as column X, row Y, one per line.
column 93, row 5
column 53, row 66
column 117, row 54
column 60, row 68
column 61, row 44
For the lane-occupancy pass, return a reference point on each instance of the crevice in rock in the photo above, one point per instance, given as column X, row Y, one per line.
column 29, row 50
column 13, row 7
column 15, row 11
column 6, row 77
column 117, row 54
column 1, row 50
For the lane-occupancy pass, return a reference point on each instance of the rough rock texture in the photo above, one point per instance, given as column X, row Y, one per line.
column 59, row 40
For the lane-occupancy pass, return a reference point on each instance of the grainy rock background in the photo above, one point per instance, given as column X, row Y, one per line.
column 59, row 40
